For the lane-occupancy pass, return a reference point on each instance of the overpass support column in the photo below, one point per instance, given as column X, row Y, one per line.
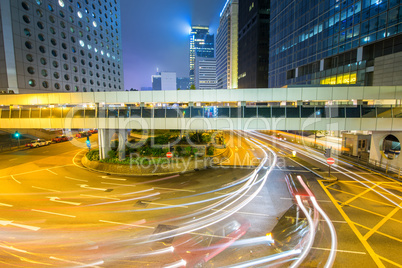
column 122, row 144
column 104, row 143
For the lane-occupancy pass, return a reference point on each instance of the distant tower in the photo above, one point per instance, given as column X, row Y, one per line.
column 60, row 46
column 201, row 45
column 227, row 46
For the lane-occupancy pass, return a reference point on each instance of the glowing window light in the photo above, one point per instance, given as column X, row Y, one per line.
column 102, row 52
column 61, row 3
column 82, row 43
column 89, row 47
column 94, row 24
column 79, row 14
column 96, row 50
column 108, row 55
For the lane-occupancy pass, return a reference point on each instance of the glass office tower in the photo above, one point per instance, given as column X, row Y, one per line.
column 227, row 46
column 201, row 45
column 60, row 46
column 334, row 42
column 254, row 23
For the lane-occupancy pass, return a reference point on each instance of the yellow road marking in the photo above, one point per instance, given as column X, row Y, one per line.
column 381, row 233
column 382, row 222
column 391, row 262
column 382, row 203
column 359, row 195
column 380, row 191
column 377, row 214
column 366, row 245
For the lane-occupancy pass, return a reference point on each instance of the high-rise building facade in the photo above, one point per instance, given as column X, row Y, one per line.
column 164, row 81
column 60, row 46
column 201, row 45
column 335, row 42
column 183, row 82
column 254, row 21
column 205, row 73
column 227, row 46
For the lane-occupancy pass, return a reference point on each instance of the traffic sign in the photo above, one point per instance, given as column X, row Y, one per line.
column 330, row 161
column 169, row 154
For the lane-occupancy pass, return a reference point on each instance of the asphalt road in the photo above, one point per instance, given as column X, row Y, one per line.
column 364, row 207
column 54, row 212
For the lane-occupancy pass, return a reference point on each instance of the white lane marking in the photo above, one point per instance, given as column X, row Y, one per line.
column 259, row 196
column 12, row 176
column 115, row 179
column 75, row 179
column 162, row 204
column 79, row 263
column 139, row 192
column 344, row 251
column 13, row 248
column 128, row 224
column 57, row 199
column 101, row 197
column 32, row 228
column 6, row 205
column 38, row 170
column 85, row 186
column 50, row 190
column 48, row 212
column 117, row 184
column 52, row 172
column 321, row 201
column 246, row 213
column 191, row 191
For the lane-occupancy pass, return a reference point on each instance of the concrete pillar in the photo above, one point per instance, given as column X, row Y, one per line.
column 104, row 136
column 190, row 104
column 122, row 144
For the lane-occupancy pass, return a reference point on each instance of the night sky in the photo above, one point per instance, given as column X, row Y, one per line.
column 155, row 34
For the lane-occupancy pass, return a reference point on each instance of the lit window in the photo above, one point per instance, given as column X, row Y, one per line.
column 96, row 50
column 94, row 24
column 89, row 47
column 61, row 3
column 102, row 52
column 79, row 14
column 82, row 43
column 108, row 55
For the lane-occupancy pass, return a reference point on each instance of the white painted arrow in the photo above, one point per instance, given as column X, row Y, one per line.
column 32, row 228
column 57, row 199
column 98, row 189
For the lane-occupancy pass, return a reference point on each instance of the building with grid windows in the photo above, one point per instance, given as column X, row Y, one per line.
column 227, row 46
column 205, row 73
column 201, row 45
column 345, row 42
column 60, row 46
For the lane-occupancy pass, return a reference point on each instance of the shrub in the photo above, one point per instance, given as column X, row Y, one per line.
column 210, row 150
column 112, row 154
column 93, row 155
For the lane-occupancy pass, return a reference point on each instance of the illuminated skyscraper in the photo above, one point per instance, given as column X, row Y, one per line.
column 227, row 46
column 201, row 45
column 60, row 46
column 335, row 43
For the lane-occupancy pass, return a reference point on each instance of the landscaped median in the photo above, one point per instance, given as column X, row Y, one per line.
column 150, row 158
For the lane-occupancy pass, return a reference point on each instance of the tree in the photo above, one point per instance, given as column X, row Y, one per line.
column 178, row 88
column 192, row 87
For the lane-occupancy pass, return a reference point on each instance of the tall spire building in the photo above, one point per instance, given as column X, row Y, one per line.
column 201, row 45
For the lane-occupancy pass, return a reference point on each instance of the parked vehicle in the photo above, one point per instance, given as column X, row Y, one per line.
column 197, row 249
column 61, row 139
column 83, row 134
column 93, row 131
column 38, row 143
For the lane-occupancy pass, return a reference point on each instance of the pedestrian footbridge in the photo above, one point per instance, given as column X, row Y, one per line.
column 305, row 108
